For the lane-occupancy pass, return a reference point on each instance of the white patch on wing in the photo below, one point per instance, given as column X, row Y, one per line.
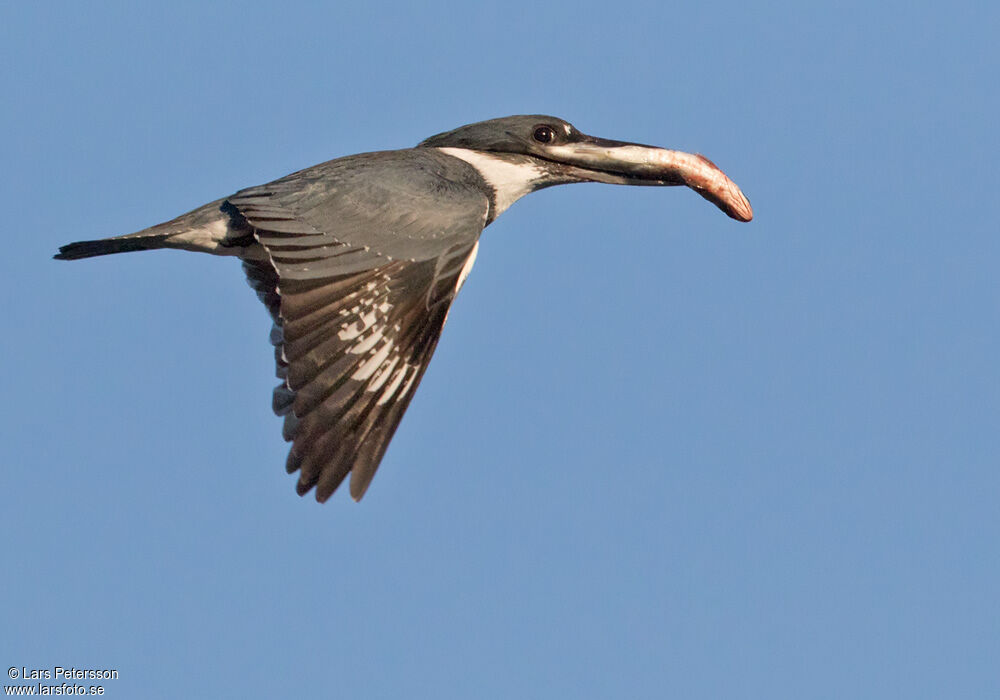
column 409, row 383
column 383, row 375
column 368, row 343
column 367, row 369
column 391, row 389
column 365, row 326
column 366, row 314
column 509, row 180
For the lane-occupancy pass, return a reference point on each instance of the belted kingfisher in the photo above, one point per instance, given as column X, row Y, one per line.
column 358, row 260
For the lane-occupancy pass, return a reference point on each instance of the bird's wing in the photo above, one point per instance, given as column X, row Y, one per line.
column 359, row 287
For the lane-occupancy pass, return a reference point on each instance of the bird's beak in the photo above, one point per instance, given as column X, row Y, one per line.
column 622, row 163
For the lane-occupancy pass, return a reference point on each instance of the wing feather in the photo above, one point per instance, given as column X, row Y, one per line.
column 359, row 291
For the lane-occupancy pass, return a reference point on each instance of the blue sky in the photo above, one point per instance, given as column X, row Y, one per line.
column 657, row 454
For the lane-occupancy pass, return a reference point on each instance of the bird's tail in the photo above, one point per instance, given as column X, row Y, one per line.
column 205, row 229
column 107, row 246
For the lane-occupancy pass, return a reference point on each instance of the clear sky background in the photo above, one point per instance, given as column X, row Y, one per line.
column 658, row 453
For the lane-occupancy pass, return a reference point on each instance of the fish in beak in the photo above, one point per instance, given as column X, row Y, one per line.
column 622, row 163
column 543, row 151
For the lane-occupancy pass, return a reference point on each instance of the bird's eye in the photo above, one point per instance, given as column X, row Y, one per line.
column 543, row 134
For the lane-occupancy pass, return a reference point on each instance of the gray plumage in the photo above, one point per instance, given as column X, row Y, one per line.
column 377, row 290
column 358, row 261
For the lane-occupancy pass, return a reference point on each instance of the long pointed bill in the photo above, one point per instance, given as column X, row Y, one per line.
column 621, row 163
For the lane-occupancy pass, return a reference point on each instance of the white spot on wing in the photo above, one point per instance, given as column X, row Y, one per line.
column 368, row 343
column 391, row 389
column 368, row 311
column 368, row 368
column 383, row 375
column 350, row 331
column 409, row 383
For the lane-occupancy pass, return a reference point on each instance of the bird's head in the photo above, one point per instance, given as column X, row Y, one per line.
column 560, row 153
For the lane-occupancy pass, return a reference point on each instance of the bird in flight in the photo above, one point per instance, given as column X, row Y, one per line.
column 359, row 259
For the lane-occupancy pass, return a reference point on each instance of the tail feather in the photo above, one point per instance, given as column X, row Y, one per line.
column 207, row 229
column 107, row 246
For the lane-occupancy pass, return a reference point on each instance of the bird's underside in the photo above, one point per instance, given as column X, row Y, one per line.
column 358, row 260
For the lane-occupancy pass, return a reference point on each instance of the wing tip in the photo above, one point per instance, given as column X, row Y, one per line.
column 359, row 487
